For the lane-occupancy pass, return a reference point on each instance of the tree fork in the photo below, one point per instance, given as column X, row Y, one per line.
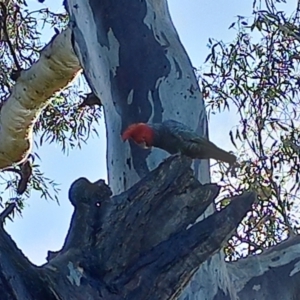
column 135, row 245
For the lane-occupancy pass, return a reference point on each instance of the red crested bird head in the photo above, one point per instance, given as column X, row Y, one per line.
column 141, row 133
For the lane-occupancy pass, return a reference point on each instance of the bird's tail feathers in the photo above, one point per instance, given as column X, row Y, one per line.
column 217, row 153
column 223, row 155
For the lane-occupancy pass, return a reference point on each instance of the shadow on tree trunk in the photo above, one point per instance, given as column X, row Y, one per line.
column 137, row 245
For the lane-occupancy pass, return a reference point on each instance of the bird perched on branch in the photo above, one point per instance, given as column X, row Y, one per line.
column 175, row 137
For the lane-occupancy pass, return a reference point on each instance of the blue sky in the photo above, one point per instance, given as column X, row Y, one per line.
column 44, row 224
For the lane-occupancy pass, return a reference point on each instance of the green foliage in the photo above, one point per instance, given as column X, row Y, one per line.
column 257, row 77
column 64, row 121
column 47, row 187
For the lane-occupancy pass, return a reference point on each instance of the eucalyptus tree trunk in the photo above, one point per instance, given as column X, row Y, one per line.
column 138, row 244
column 134, row 62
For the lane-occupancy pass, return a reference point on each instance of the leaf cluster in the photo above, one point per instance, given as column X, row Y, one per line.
column 64, row 121
column 256, row 77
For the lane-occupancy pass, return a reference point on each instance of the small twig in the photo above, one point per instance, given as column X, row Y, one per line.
column 14, row 170
column 6, row 37
column 90, row 100
column 25, row 173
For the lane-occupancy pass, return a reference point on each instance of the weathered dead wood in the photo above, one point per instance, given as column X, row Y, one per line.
column 19, row 279
column 135, row 245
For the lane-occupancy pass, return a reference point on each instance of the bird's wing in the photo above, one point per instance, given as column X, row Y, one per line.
column 184, row 132
column 193, row 145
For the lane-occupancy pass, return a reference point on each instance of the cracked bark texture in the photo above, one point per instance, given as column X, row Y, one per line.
column 135, row 245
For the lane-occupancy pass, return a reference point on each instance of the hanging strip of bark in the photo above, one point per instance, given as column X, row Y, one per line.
column 55, row 69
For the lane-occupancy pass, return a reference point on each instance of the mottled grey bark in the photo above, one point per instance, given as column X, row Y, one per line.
column 271, row 275
column 134, row 62
column 131, row 246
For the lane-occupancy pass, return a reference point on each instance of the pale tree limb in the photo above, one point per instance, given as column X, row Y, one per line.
column 55, row 69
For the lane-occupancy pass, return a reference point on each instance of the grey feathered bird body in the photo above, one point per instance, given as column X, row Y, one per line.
column 175, row 137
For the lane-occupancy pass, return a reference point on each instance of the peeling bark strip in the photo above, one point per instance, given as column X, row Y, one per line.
column 56, row 67
column 272, row 275
column 134, row 62
column 132, row 246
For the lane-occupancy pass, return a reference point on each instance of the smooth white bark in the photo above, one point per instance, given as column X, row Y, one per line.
column 110, row 63
column 56, row 67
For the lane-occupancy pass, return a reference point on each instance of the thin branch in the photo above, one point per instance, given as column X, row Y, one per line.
column 7, row 211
